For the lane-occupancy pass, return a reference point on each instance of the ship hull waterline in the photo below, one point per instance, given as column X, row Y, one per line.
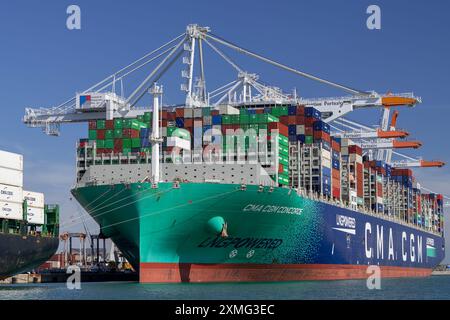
column 174, row 235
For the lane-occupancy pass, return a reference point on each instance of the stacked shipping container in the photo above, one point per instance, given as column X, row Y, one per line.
column 327, row 165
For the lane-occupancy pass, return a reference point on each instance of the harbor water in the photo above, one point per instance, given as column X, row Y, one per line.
column 431, row 288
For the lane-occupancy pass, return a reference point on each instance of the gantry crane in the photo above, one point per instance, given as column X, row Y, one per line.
column 101, row 101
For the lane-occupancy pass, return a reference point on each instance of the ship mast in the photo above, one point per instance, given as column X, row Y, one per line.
column 155, row 139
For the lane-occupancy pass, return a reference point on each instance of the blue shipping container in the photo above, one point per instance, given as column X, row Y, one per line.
column 292, row 128
column 336, row 164
column 321, row 126
column 292, row 110
column 312, row 112
column 179, row 122
column 216, row 120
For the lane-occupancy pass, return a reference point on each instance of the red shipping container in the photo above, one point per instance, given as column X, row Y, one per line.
column 309, row 121
column 282, row 129
column 164, row 114
column 379, row 190
column 292, row 120
column 82, row 144
column 109, row 124
column 280, row 168
column 259, row 111
column 322, row 135
column 336, row 193
column 300, row 119
column 300, row 110
column 284, row 120
column 164, row 123
column 336, row 183
column 336, row 174
column 118, row 145
column 179, row 112
column 309, row 131
column 101, row 134
column 92, row 125
column 171, row 116
column 134, row 133
column 336, row 146
column 188, row 123
column 214, row 112
column 355, row 149
column 359, row 180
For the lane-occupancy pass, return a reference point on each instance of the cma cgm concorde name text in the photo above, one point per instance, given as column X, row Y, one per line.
column 272, row 209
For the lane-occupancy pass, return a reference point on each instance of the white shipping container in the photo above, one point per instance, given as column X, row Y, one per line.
column 198, row 112
column 188, row 112
column 326, row 163
column 11, row 193
column 34, row 199
column 11, row 177
column 35, row 215
column 11, row 160
column 355, row 158
column 300, row 129
column 11, row 210
column 379, row 200
column 228, row 110
column 325, row 154
column 178, row 142
column 345, row 142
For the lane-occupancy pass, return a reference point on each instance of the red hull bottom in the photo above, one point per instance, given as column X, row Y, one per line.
column 186, row 272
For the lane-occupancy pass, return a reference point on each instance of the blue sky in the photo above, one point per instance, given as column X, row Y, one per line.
column 42, row 63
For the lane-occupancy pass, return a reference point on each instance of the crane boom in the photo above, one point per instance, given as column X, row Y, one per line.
column 391, row 144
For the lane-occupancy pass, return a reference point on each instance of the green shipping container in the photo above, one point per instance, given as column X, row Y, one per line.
column 118, row 133
column 282, row 140
column 266, row 118
column 140, row 118
column 109, row 134
column 92, row 134
column 109, row 143
column 206, row 111
column 135, row 143
column 126, row 144
column 137, row 125
column 309, row 139
column 101, row 124
column 253, row 118
column 283, row 160
column 283, row 179
column 146, row 150
column 226, row 119
column 126, row 151
column 283, row 150
column 244, row 118
column 147, row 117
column 100, row 144
column 118, row 123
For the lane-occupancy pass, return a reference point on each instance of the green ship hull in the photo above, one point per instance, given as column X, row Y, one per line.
column 224, row 232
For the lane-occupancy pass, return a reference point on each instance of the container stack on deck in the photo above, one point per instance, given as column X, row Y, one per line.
column 18, row 207
column 308, row 156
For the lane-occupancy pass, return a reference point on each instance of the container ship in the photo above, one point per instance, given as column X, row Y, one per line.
column 29, row 228
column 246, row 182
